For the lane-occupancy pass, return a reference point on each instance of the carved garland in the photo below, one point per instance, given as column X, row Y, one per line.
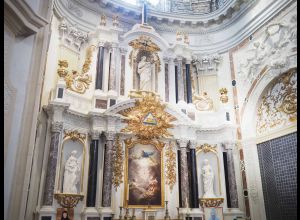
column 74, row 135
column 77, row 82
column 170, row 166
column 206, row 148
column 118, row 159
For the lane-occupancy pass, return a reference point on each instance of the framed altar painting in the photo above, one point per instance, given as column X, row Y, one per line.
column 213, row 213
column 143, row 174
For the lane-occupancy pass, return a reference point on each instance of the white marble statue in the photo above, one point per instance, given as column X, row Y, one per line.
column 71, row 174
column 144, row 70
column 208, row 180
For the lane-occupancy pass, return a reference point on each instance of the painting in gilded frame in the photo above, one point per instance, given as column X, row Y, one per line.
column 144, row 176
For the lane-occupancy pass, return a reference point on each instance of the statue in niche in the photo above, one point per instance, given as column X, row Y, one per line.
column 208, row 180
column 144, row 71
column 71, row 174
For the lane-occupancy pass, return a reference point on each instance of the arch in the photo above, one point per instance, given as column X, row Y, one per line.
column 249, row 117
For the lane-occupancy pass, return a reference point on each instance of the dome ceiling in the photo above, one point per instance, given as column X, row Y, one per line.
column 168, row 15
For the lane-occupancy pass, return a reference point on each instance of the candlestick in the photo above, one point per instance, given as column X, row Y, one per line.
column 120, row 216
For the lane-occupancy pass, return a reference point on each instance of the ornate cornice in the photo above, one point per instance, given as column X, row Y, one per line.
column 22, row 20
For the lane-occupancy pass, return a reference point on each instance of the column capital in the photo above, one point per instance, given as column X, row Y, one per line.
column 229, row 145
column 123, row 50
column 193, row 144
column 56, row 126
column 179, row 59
column 166, row 59
column 188, row 61
column 95, row 135
column 182, row 143
column 110, row 135
column 114, row 45
column 101, row 43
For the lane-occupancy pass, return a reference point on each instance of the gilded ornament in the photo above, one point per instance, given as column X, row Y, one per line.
column 62, row 70
column 211, row 202
column 77, row 82
column 170, row 166
column 144, row 43
column 278, row 107
column 207, row 148
column 74, row 135
column 118, row 159
column 137, row 118
column 68, row 200
column 223, row 97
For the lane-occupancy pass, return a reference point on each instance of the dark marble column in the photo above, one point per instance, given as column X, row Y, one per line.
column 166, row 60
column 194, row 179
column 232, row 180
column 99, row 68
column 56, row 128
column 180, row 80
column 176, row 82
column 93, row 168
column 188, row 83
column 184, row 181
column 107, row 177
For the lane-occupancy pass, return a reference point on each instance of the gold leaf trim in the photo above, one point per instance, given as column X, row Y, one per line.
column 207, row 148
column 118, row 159
column 170, row 166
column 74, row 135
column 68, row 200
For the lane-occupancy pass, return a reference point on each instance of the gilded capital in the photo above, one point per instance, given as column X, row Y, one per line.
column 56, row 126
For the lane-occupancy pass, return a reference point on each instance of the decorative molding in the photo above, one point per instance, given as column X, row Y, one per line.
column 21, row 19
column 74, row 8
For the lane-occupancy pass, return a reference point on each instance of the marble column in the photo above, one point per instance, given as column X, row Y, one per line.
column 99, row 67
column 194, row 179
column 123, row 52
column 231, row 177
column 107, row 177
column 176, row 82
column 112, row 68
column 166, row 61
column 188, row 82
column 93, row 166
column 180, row 83
column 184, row 180
column 172, row 88
column 56, row 129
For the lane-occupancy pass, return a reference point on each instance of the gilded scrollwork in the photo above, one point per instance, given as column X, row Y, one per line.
column 144, row 43
column 211, row 202
column 118, row 159
column 68, row 200
column 170, row 166
column 148, row 118
column 75, row 81
column 278, row 107
column 74, row 135
column 207, row 148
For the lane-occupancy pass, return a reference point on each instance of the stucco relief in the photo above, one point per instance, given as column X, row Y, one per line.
column 278, row 107
column 266, row 50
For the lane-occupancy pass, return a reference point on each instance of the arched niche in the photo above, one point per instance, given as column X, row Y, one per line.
column 69, row 145
column 212, row 156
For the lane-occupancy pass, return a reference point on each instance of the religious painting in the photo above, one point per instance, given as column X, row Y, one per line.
column 65, row 214
column 144, row 175
column 213, row 213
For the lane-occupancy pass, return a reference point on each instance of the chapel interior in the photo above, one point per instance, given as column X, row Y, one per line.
column 150, row 109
